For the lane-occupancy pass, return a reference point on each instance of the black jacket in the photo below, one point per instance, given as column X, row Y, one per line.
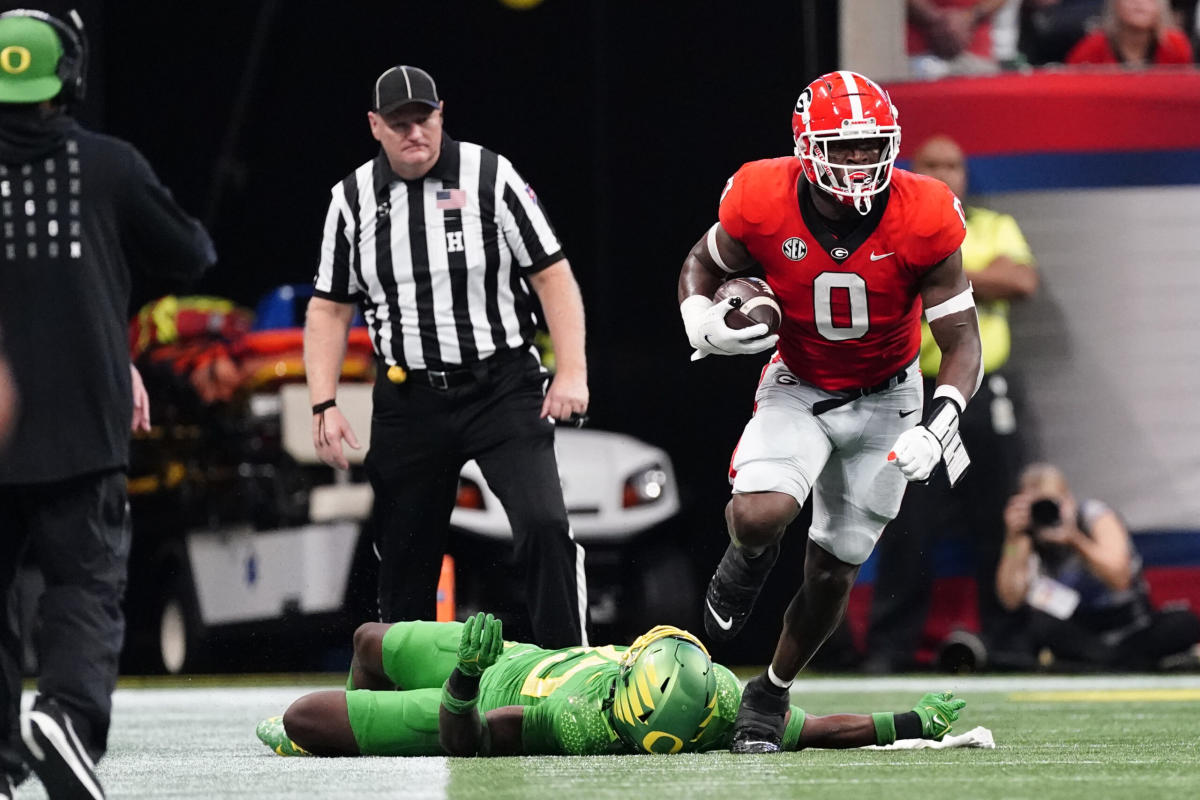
column 76, row 210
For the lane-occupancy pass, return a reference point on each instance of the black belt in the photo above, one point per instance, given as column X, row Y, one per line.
column 821, row 406
column 459, row 375
column 444, row 379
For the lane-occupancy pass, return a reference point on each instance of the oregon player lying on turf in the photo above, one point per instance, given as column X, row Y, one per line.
column 465, row 691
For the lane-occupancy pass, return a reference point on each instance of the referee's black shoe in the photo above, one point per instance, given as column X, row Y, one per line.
column 761, row 718
column 733, row 589
column 56, row 755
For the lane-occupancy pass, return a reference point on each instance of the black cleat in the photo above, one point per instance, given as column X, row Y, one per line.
column 733, row 589
column 55, row 753
column 761, row 718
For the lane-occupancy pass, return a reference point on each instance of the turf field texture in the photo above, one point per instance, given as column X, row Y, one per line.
column 1057, row 737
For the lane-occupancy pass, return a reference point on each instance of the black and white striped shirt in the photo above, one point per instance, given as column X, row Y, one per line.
column 437, row 264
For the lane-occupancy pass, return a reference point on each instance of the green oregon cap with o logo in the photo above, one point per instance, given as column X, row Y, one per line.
column 29, row 54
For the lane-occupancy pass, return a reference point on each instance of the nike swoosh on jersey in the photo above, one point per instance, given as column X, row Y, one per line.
column 885, row 255
column 725, row 624
column 906, row 413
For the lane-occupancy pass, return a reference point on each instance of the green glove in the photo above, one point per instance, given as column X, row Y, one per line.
column 938, row 710
column 480, row 645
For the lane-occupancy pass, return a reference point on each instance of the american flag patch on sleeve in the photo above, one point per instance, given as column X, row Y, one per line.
column 449, row 199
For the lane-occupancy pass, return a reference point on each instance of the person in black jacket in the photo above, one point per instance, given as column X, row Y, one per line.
column 76, row 210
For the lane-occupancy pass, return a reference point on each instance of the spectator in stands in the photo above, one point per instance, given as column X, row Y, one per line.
column 1187, row 17
column 1137, row 33
column 1050, row 28
column 951, row 37
column 1073, row 568
column 1000, row 266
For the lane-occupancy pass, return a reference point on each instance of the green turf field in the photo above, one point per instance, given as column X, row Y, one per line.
column 1094, row 738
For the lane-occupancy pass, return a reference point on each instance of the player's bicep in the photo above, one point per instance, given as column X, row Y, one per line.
column 714, row 257
column 726, row 252
column 946, row 295
column 503, row 732
column 950, row 311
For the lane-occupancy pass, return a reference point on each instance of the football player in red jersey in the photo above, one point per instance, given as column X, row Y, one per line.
column 854, row 249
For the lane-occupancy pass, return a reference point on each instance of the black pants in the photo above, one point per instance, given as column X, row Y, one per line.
column 420, row 438
column 78, row 532
column 974, row 509
column 1078, row 645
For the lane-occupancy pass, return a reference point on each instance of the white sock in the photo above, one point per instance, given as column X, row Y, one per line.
column 775, row 679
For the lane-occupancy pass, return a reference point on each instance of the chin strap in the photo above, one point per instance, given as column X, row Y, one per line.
column 862, row 202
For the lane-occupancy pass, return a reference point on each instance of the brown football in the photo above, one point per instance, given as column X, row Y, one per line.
column 754, row 301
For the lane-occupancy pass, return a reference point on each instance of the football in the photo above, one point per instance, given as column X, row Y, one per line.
column 754, row 303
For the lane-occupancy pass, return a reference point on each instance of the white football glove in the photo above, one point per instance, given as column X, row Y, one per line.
column 704, row 322
column 917, row 451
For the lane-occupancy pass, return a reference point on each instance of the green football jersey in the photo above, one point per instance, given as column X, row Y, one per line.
column 567, row 693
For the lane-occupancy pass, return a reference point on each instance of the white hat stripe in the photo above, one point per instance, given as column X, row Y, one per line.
column 856, row 109
column 379, row 80
column 407, row 82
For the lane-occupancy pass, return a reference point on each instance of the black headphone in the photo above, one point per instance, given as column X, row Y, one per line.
column 72, row 64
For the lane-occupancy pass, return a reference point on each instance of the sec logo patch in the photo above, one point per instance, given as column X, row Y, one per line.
column 795, row 248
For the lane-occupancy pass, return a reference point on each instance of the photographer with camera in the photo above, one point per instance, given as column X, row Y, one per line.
column 1074, row 570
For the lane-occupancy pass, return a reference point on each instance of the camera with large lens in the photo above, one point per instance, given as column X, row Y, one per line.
column 1045, row 513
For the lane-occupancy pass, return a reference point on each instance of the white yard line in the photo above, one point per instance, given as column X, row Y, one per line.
column 1008, row 683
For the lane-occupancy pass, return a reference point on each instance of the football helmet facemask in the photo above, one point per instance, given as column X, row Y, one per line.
column 846, row 107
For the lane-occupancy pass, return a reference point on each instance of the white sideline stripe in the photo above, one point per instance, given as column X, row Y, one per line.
column 581, row 586
column 960, row 302
column 969, row 766
column 129, row 699
column 856, row 110
column 974, row 683
column 712, row 248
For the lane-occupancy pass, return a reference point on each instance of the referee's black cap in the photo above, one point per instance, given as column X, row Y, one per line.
column 402, row 85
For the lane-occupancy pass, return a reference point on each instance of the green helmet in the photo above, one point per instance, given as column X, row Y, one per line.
column 666, row 691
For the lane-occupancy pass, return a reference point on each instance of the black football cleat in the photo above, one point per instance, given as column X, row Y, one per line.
column 733, row 589
column 56, row 755
column 761, row 718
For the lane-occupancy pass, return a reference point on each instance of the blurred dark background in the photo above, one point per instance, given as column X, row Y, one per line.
column 626, row 116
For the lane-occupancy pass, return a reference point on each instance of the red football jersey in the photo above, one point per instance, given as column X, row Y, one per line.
column 851, row 308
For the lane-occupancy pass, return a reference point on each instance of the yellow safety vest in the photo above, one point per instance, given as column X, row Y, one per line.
column 989, row 234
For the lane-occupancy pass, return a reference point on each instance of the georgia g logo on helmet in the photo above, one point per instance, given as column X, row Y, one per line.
column 844, row 108
column 803, row 102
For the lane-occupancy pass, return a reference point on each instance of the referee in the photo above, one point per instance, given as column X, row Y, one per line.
column 439, row 243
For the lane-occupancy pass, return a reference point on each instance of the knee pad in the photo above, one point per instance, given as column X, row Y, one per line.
column 852, row 545
column 770, row 476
